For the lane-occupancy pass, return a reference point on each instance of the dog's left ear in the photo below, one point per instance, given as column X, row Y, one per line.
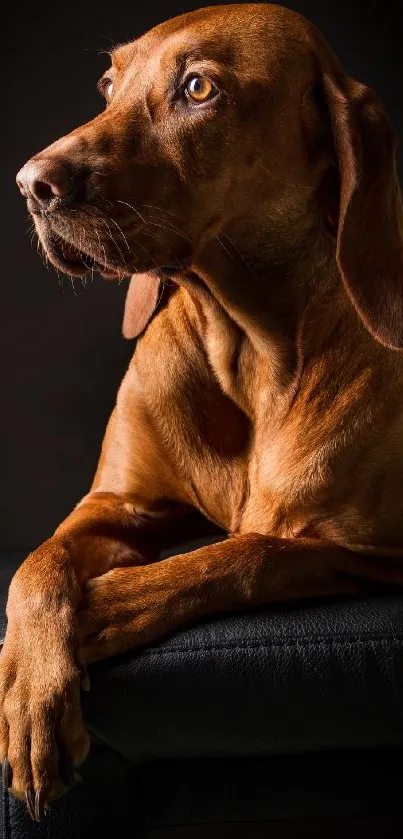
column 369, row 249
column 142, row 299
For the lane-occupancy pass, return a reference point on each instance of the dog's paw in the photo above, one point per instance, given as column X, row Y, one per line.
column 42, row 737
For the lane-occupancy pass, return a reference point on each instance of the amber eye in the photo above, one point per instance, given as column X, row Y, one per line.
column 200, row 89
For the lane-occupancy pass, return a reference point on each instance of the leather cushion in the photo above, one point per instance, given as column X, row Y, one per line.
column 322, row 676
column 326, row 676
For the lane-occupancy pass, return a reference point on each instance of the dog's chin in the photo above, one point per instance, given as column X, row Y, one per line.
column 70, row 260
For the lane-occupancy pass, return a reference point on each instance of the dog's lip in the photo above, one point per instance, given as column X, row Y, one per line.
column 69, row 259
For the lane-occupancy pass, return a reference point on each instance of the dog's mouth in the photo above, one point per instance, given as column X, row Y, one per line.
column 71, row 260
column 59, row 244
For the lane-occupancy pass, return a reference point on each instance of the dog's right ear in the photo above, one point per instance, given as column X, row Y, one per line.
column 143, row 296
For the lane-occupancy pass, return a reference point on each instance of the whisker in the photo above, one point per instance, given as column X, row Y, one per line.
column 162, row 210
column 101, row 246
column 168, row 226
column 121, row 232
column 283, row 181
column 241, row 256
column 103, row 220
column 225, row 249
column 155, row 219
column 132, row 208
column 171, row 229
column 145, row 250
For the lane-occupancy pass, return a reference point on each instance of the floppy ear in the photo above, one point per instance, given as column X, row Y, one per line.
column 142, row 299
column 369, row 249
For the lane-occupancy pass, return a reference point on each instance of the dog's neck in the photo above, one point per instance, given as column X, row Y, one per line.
column 264, row 323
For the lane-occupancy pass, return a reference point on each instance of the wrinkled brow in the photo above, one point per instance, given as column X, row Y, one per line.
column 123, row 53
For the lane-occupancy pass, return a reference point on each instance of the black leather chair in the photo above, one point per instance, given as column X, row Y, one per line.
column 282, row 723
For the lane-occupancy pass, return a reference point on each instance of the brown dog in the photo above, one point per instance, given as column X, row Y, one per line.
column 235, row 158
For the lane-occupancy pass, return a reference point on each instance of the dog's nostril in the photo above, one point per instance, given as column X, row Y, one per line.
column 43, row 191
column 53, row 182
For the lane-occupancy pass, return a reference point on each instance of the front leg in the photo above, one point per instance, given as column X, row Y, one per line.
column 131, row 607
column 42, row 736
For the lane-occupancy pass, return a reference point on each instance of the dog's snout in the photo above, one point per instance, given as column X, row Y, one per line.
column 44, row 181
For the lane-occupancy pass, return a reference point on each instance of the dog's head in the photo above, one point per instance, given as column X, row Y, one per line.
column 229, row 120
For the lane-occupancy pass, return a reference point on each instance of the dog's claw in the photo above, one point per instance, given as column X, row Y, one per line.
column 6, row 774
column 40, row 805
column 36, row 804
column 30, row 799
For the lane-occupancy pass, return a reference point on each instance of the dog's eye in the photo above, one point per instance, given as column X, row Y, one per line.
column 109, row 90
column 105, row 87
column 200, row 89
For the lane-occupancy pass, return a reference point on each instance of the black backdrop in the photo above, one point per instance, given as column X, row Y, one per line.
column 61, row 350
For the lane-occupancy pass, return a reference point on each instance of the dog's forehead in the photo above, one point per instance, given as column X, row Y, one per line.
column 245, row 30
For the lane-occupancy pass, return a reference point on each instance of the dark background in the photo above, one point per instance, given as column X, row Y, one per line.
column 61, row 351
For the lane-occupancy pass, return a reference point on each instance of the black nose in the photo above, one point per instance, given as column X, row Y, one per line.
column 46, row 181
